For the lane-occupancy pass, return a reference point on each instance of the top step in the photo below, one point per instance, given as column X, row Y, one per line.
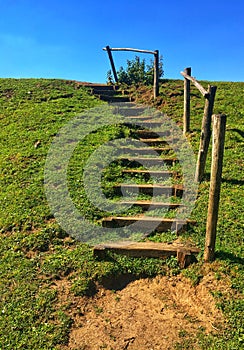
column 102, row 87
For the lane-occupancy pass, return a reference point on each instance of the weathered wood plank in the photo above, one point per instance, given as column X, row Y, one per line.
column 204, row 92
column 153, row 141
column 185, row 254
column 146, row 150
column 150, row 161
column 139, row 117
column 205, row 134
column 146, row 133
column 147, row 174
column 130, row 49
column 155, row 189
column 145, row 204
column 146, row 123
column 148, row 223
column 153, row 172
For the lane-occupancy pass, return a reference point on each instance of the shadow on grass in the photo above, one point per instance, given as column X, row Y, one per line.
column 224, row 256
column 233, row 181
column 240, row 132
column 228, row 181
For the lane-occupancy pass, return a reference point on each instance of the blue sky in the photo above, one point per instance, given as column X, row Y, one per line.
column 64, row 39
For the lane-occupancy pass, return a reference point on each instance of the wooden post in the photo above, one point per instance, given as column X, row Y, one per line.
column 112, row 63
column 205, row 133
column 219, row 124
column 186, row 117
column 156, row 74
column 156, row 65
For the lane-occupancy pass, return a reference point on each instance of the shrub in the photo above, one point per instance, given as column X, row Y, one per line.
column 137, row 72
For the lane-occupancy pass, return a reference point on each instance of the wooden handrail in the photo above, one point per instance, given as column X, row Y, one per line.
column 204, row 92
column 205, row 133
column 209, row 96
column 130, row 49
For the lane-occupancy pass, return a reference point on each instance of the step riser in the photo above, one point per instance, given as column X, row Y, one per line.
column 139, row 118
column 147, row 176
column 154, row 142
column 131, row 112
column 104, row 92
column 98, row 87
column 143, row 124
column 153, row 206
column 146, row 151
column 169, row 192
column 114, row 99
column 162, row 226
column 148, row 134
column 133, row 163
column 149, row 124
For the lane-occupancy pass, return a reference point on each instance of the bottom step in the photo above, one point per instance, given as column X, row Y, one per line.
column 185, row 253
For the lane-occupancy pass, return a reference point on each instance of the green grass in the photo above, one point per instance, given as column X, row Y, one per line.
column 35, row 250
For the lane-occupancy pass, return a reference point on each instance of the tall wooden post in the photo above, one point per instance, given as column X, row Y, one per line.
column 156, row 74
column 112, row 63
column 205, row 133
column 219, row 125
column 186, row 117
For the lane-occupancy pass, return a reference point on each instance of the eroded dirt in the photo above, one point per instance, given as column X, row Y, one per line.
column 147, row 314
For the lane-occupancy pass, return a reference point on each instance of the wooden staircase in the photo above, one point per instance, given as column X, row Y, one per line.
column 163, row 194
column 108, row 93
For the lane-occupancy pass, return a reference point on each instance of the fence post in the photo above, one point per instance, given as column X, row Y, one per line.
column 186, row 117
column 156, row 74
column 112, row 63
column 219, row 125
column 205, row 133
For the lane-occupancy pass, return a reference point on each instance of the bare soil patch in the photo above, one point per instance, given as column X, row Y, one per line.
column 147, row 314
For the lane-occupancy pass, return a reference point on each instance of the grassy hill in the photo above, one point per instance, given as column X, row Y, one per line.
column 35, row 251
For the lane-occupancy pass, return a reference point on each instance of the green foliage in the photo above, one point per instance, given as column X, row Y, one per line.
column 137, row 72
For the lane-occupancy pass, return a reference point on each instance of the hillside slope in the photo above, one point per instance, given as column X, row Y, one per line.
column 51, row 285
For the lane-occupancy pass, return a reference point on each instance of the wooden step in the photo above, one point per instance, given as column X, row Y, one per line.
column 131, row 111
column 151, row 189
column 147, row 223
column 153, row 141
column 140, row 117
column 101, row 87
column 185, row 253
column 145, row 133
column 150, row 161
column 155, row 173
column 146, row 150
column 113, row 99
column 150, row 124
column 145, row 204
column 100, row 92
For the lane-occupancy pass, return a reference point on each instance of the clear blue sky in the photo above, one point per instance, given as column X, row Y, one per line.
column 64, row 39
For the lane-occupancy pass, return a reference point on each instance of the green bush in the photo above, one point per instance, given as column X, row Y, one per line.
column 137, row 72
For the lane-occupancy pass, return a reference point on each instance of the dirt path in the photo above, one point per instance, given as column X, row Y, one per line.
column 147, row 314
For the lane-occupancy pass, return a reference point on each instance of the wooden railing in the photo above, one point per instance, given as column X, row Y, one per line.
column 156, row 65
column 209, row 96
